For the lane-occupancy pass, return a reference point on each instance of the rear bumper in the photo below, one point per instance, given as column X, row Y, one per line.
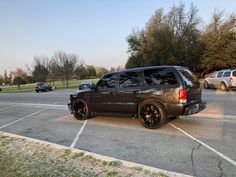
column 232, row 87
column 195, row 108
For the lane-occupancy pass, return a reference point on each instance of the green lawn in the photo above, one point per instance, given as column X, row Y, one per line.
column 31, row 87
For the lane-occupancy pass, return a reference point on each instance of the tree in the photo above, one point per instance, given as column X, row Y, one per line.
column 83, row 73
column 101, row 71
column 64, row 65
column 91, row 71
column 1, row 80
column 40, row 68
column 20, row 76
column 219, row 38
column 167, row 39
column 5, row 78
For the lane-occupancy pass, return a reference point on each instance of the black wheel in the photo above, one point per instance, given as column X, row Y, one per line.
column 151, row 114
column 81, row 111
column 206, row 85
column 223, row 87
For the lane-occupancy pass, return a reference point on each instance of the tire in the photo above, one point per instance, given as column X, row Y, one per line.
column 223, row 87
column 81, row 110
column 151, row 114
column 206, row 85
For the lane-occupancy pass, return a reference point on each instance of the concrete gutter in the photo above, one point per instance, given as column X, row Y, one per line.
column 98, row 156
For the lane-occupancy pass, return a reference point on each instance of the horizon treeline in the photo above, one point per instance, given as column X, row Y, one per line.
column 178, row 38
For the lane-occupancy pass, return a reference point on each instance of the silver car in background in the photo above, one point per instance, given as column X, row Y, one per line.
column 223, row 79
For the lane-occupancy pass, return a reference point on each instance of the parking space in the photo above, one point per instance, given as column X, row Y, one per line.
column 125, row 138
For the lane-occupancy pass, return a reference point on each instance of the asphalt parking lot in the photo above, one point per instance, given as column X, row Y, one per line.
column 201, row 145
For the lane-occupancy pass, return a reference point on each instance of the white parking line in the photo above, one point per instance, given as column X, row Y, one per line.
column 78, row 135
column 216, row 116
column 207, row 146
column 21, row 119
column 2, row 109
column 38, row 105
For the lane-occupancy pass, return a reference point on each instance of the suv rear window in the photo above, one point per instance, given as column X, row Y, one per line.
column 129, row 79
column 159, row 76
column 226, row 74
column 188, row 77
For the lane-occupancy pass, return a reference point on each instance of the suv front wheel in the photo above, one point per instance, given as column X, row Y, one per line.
column 151, row 114
column 81, row 110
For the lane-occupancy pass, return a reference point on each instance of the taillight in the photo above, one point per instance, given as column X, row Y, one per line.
column 231, row 79
column 183, row 96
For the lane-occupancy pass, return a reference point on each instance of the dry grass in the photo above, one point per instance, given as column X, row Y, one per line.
column 19, row 157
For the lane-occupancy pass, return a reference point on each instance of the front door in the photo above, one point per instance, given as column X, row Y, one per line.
column 102, row 100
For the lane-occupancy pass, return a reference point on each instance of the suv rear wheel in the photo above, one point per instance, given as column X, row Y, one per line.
column 81, row 110
column 223, row 87
column 151, row 114
column 206, row 85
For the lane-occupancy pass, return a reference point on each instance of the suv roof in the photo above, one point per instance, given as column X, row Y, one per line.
column 147, row 67
column 224, row 70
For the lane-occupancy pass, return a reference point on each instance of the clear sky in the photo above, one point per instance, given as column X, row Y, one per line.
column 96, row 30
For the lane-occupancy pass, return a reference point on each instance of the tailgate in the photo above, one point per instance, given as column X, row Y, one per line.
column 192, row 85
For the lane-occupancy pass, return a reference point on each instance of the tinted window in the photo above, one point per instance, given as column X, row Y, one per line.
column 159, row 76
column 234, row 73
column 226, row 74
column 108, row 81
column 219, row 74
column 188, row 77
column 40, row 84
column 129, row 79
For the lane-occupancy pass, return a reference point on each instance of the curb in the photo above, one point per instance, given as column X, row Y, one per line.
column 100, row 157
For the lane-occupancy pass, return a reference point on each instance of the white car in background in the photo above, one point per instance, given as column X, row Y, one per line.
column 223, row 79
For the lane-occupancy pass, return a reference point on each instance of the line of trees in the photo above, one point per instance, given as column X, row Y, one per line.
column 60, row 66
column 176, row 38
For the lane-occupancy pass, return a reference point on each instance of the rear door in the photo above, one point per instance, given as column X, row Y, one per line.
column 194, row 92
column 233, row 78
column 129, row 87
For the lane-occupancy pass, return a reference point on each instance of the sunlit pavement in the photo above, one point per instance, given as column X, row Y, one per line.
column 200, row 145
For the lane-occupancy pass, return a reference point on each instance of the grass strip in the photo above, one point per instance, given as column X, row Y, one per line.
column 22, row 158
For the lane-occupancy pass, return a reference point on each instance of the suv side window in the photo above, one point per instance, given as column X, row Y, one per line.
column 219, row 74
column 159, row 76
column 129, row 79
column 107, row 82
column 227, row 74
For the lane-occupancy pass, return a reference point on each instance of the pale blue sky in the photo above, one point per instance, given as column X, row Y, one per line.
column 96, row 30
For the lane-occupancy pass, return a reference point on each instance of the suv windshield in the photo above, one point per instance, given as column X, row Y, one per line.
column 40, row 84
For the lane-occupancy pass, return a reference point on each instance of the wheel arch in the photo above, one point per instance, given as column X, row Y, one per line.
column 150, row 99
column 224, row 82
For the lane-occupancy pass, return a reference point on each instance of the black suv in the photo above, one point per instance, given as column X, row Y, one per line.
column 151, row 93
column 43, row 87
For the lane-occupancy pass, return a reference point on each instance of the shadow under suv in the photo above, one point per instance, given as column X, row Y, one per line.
column 152, row 93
